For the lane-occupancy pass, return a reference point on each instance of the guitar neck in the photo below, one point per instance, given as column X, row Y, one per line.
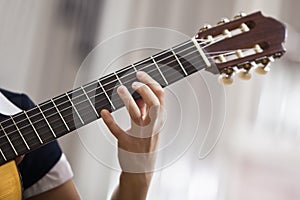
column 28, row 130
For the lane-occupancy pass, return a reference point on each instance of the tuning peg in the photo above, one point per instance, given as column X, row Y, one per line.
column 244, row 71
column 244, row 27
column 205, row 27
column 239, row 53
column 245, row 75
column 262, row 70
column 226, row 76
column 240, row 15
column 223, row 21
column 266, row 61
column 277, row 55
column 258, row 48
column 225, row 79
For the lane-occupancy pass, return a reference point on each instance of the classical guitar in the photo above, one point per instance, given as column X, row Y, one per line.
column 231, row 47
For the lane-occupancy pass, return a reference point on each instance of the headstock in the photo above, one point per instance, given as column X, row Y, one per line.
column 243, row 44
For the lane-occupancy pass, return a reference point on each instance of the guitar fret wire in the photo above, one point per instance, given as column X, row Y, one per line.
column 3, row 155
column 109, row 75
column 159, row 71
column 41, row 141
column 173, row 73
column 73, row 106
column 135, row 69
column 106, row 94
column 188, row 53
column 201, row 52
column 90, row 101
column 99, row 94
column 96, row 95
column 9, row 141
column 20, row 133
column 179, row 62
column 60, row 115
column 46, row 120
column 118, row 78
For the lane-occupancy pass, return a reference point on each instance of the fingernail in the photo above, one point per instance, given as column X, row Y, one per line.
column 121, row 89
column 103, row 113
column 136, row 85
column 140, row 74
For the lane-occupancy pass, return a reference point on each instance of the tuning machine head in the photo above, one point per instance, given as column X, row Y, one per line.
column 226, row 76
column 223, row 21
column 244, row 71
column 264, row 63
column 205, row 27
column 244, row 75
column 262, row 70
column 240, row 15
column 225, row 79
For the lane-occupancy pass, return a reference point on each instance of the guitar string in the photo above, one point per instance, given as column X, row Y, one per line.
column 86, row 100
column 123, row 69
column 127, row 74
column 29, row 133
column 110, row 75
column 66, row 108
column 31, row 139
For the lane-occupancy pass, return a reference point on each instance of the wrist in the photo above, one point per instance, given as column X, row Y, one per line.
column 139, row 179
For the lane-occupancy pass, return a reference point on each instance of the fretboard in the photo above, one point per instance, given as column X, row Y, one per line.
column 28, row 130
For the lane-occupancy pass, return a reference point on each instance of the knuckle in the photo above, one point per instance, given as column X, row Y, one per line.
column 155, row 103
column 160, row 93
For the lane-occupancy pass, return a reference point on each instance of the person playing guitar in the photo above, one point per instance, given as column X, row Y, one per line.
column 46, row 173
column 236, row 46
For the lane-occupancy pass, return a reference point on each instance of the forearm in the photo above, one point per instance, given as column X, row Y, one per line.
column 133, row 186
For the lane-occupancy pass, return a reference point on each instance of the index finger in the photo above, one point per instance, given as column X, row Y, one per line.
column 152, row 84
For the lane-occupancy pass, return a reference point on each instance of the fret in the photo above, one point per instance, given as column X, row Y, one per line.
column 46, row 121
column 106, row 95
column 189, row 57
column 82, row 102
column 169, row 66
column 159, row 71
column 20, row 133
column 51, row 125
column 97, row 97
column 75, row 109
column 36, row 133
column 90, row 102
column 3, row 155
column 66, row 110
column 127, row 76
column 133, row 66
column 15, row 133
column 178, row 61
column 10, row 143
column 118, row 78
column 149, row 67
column 66, row 125
column 208, row 64
column 6, row 148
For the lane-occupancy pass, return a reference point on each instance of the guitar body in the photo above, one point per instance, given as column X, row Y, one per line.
column 10, row 184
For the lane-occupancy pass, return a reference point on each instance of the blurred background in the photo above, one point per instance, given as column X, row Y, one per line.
column 244, row 139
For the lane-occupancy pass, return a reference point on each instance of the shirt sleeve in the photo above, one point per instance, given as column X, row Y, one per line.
column 59, row 174
column 44, row 168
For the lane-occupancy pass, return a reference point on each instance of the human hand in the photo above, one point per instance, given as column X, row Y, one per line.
column 137, row 146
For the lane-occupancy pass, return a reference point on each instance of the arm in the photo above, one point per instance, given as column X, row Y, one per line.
column 139, row 143
column 66, row 191
column 137, row 146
